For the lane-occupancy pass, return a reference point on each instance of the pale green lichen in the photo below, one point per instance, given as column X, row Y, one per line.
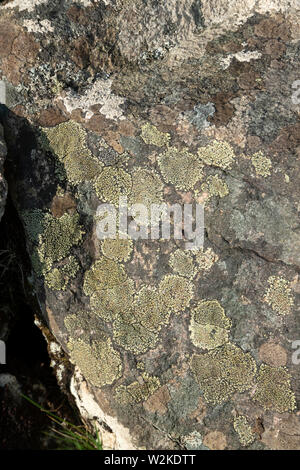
column 103, row 274
column 279, row 296
column 273, row 390
column 54, row 279
column 206, row 259
column 133, row 336
column 176, row 292
column 68, row 142
column 262, row 164
column 215, row 186
column 243, row 430
column 152, row 136
column 110, row 303
column 218, row 153
column 98, row 361
column 138, row 391
column 222, row 372
column 34, row 223
column 209, row 325
column 180, row 168
column 58, row 278
column 147, row 188
column 113, row 183
column 182, row 263
column 118, row 249
column 58, row 237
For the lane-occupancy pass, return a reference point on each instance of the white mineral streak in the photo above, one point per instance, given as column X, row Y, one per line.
column 119, row 438
column 28, row 5
column 241, row 57
column 97, row 94
column 43, row 26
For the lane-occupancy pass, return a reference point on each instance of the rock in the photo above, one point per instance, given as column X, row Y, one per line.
column 189, row 102
column 3, row 185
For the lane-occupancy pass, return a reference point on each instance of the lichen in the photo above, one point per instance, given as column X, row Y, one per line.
column 138, row 391
column 68, row 142
column 110, row 303
column 279, row 296
column 54, row 279
column 273, row 389
column 118, row 249
column 152, row 136
column 113, row 183
column 215, row 186
column 58, row 278
column 209, row 325
column 58, row 237
column 243, row 430
column 34, row 223
column 262, row 164
column 98, row 361
column 180, row 168
column 133, row 336
column 222, row 372
column 206, row 259
column 182, row 263
column 147, row 188
column 103, row 274
column 218, row 153
column 176, row 292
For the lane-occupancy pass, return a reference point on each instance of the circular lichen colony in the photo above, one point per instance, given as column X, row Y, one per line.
column 218, row 153
column 182, row 263
column 215, row 186
column 152, row 136
column 244, row 431
column 279, row 296
column 180, row 168
column 222, row 372
column 68, row 142
column 98, row 361
column 110, row 303
column 147, row 188
column 262, row 164
column 112, row 184
column 273, row 389
column 137, row 392
column 209, row 325
column 103, row 274
column 176, row 292
column 118, row 249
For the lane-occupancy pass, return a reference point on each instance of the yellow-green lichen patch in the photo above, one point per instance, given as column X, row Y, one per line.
column 138, row 391
column 243, row 430
column 262, row 164
column 147, row 188
column 68, row 142
column 206, row 259
column 99, row 363
column 103, row 274
column 54, row 279
column 222, row 372
column 176, row 292
column 112, row 184
column 215, row 186
column 149, row 310
column 273, row 390
column 180, row 168
column 209, row 325
column 58, row 278
column 182, row 263
column 58, row 237
column 132, row 335
column 278, row 295
column 118, row 249
column 218, row 153
column 152, row 136
column 111, row 303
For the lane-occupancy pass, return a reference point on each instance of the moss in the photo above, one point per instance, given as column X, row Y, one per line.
column 218, row 153
column 110, row 303
column 262, row 164
column 206, row 259
column 180, row 168
column 222, row 372
column 182, row 263
column 113, row 183
column 58, row 237
column 152, row 136
column 104, row 274
column 176, row 292
column 273, row 389
column 209, row 325
column 99, row 363
column 117, row 249
column 244, row 431
column 278, row 295
column 138, row 391
column 215, row 186
column 68, row 142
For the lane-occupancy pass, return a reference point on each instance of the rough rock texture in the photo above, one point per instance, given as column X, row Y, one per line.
column 3, row 185
column 178, row 101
